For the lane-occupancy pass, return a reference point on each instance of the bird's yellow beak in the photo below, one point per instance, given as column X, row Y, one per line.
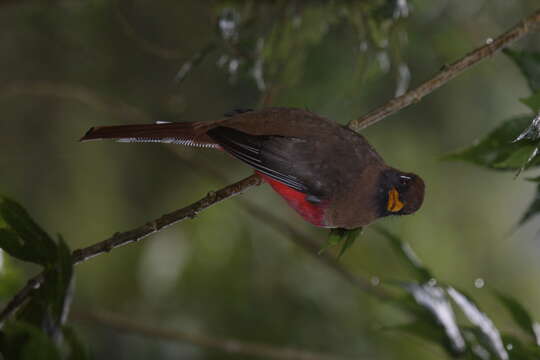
column 394, row 204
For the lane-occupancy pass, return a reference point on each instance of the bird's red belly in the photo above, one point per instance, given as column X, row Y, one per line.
column 313, row 213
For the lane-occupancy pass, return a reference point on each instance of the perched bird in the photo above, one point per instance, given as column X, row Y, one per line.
column 329, row 174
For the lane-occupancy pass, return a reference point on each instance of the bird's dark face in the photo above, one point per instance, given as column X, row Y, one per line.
column 400, row 193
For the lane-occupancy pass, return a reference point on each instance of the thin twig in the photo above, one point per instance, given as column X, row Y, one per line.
column 76, row 93
column 231, row 346
column 448, row 73
column 120, row 239
column 123, row 110
column 188, row 212
column 193, row 62
column 525, row 27
column 154, row 49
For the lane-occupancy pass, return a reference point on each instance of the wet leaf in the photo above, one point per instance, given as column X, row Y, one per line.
column 518, row 350
column 407, row 254
column 21, row 237
column 488, row 335
column 499, row 149
column 529, row 64
column 532, row 132
column 434, row 300
column 533, row 102
column 23, row 341
column 49, row 304
column 519, row 159
column 521, row 316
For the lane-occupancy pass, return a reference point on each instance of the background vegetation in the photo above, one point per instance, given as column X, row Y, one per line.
column 70, row 65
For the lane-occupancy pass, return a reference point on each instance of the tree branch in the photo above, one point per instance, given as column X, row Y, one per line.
column 149, row 47
column 75, row 93
column 188, row 212
column 394, row 105
column 120, row 239
column 448, row 73
column 231, row 346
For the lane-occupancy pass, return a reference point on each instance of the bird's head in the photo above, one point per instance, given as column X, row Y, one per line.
column 400, row 193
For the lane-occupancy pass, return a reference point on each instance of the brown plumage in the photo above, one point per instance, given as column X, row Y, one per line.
column 329, row 174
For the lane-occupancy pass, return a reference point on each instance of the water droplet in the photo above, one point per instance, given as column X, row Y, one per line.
column 402, row 9
column 233, row 65
column 489, row 41
column 296, row 21
column 363, row 46
column 432, row 282
column 258, row 67
column 403, row 79
column 228, row 23
column 384, row 61
column 375, row 280
column 509, row 347
column 479, row 283
column 223, row 59
column 184, row 70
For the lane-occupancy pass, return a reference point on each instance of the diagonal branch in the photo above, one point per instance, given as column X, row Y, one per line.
column 448, row 72
column 120, row 239
column 231, row 346
column 394, row 105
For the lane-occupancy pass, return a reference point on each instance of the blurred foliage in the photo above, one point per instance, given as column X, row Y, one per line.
column 37, row 331
column 514, row 144
column 224, row 273
column 270, row 41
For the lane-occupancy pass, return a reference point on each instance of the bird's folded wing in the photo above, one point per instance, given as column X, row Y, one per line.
column 271, row 155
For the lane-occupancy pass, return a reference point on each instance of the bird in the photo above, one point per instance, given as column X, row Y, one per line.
column 330, row 175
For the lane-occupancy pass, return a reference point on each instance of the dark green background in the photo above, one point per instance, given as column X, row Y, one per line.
column 70, row 65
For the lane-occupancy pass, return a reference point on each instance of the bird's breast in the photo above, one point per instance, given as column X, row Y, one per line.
column 313, row 213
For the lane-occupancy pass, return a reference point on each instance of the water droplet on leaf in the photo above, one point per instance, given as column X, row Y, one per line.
column 479, row 283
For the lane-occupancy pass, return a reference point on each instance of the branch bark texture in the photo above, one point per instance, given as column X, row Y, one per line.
column 448, row 72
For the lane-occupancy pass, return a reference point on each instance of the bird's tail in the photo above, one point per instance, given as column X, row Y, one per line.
column 186, row 133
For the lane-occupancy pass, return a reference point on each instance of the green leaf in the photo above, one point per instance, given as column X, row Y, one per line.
column 518, row 159
column 23, row 341
column 529, row 64
column 341, row 236
column 350, row 238
column 49, row 304
column 487, row 334
column 520, row 351
column 435, row 302
column 407, row 254
column 520, row 315
column 21, row 237
column 533, row 102
column 499, row 149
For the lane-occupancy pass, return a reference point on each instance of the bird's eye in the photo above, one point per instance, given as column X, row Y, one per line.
column 404, row 180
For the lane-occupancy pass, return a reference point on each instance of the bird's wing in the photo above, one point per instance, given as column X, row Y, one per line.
column 288, row 160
